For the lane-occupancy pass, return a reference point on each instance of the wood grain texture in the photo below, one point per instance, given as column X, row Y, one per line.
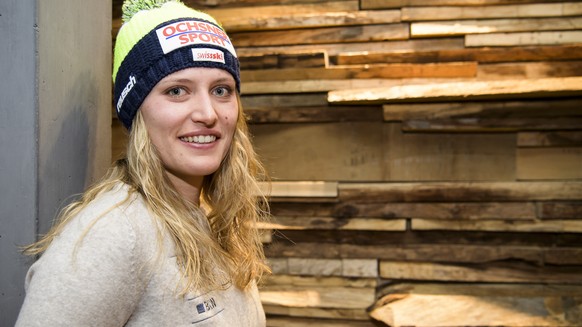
column 518, row 308
column 462, row 91
column 443, row 187
column 494, row 11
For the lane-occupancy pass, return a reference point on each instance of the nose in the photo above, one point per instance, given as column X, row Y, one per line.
column 202, row 110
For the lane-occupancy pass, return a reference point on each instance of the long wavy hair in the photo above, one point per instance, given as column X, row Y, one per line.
column 231, row 196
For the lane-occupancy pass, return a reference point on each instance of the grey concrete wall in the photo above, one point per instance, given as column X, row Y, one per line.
column 18, row 149
column 74, row 91
column 55, row 134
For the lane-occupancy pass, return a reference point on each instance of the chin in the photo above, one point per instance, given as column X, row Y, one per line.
column 203, row 171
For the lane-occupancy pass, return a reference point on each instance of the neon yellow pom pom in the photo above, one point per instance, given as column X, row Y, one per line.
column 131, row 7
column 142, row 16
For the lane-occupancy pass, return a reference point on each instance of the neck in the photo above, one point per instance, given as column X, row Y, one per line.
column 189, row 188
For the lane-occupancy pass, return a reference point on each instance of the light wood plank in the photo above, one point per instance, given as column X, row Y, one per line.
column 482, row 289
column 361, row 268
column 261, row 18
column 224, row 15
column 444, row 70
column 284, row 20
column 554, row 225
column 487, row 12
column 321, row 281
column 490, row 273
column 318, row 297
column 330, row 223
column 243, row 3
column 523, row 39
column 300, row 189
column 313, row 86
column 486, row 26
column 315, row 267
column 513, row 307
column 462, row 91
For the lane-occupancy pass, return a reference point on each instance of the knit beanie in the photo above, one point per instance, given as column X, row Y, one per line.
column 158, row 38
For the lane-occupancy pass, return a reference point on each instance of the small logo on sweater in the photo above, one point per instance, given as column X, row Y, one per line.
column 206, row 305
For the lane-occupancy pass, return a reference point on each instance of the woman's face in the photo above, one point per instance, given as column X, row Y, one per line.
column 190, row 117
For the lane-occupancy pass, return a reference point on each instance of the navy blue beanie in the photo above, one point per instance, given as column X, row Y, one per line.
column 146, row 53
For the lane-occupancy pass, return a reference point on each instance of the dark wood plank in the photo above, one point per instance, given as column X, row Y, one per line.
column 461, row 191
column 481, row 55
column 384, row 4
column 322, row 35
column 544, row 139
column 466, row 253
column 477, row 124
column 536, row 108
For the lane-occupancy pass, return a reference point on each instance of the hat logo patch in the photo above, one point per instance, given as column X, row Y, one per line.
column 186, row 33
column 130, row 84
column 206, row 54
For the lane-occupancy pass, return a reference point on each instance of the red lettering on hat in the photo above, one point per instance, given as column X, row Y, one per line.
column 184, row 38
column 192, row 26
column 181, row 27
column 169, row 30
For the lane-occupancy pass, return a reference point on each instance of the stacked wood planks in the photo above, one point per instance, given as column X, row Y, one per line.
column 426, row 158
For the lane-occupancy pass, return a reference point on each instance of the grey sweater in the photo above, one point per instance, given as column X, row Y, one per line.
column 113, row 277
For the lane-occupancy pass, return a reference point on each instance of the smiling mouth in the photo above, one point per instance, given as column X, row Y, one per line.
column 200, row 139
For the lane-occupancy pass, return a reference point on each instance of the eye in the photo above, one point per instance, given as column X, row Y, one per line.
column 176, row 92
column 222, row 91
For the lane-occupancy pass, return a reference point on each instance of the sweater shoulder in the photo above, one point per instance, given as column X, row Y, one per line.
column 115, row 222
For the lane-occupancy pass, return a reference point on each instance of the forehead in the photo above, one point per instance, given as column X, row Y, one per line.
column 199, row 74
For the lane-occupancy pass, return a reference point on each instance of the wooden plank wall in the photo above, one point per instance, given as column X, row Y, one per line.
column 426, row 158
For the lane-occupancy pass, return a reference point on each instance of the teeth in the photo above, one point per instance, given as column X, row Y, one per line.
column 199, row 139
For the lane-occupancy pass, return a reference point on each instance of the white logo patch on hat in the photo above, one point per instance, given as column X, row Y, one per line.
column 207, row 54
column 190, row 32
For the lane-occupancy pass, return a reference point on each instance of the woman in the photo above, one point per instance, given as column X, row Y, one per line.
column 167, row 238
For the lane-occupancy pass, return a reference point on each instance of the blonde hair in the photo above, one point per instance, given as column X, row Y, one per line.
column 232, row 195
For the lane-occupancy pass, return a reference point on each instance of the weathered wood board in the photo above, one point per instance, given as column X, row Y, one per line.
column 549, row 163
column 461, row 91
column 474, row 305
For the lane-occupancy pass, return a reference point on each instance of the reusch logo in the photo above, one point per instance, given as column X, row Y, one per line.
column 125, row 91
